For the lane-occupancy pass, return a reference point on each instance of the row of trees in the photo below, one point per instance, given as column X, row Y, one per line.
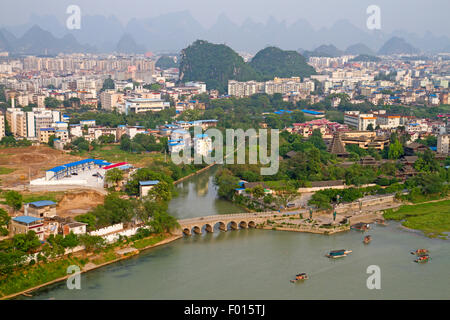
column 142, row 142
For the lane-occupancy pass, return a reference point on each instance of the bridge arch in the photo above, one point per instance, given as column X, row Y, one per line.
column 220, row 225
column 186, row 231
column 251, row 224
column 232, row 225
column 243, row 225
column 196, row 230
column 208, row 228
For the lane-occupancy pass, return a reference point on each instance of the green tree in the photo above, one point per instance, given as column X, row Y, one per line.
column 14, row 200
column 4, row 222
column 257, row 191
column 51, row 140
column 28, row 242
column 52, row 103
column 108, row 84
column 160, row 192
column 92, row 243
column 70, row 241
column 395, row 150
column 114, row 175
column 161, row 222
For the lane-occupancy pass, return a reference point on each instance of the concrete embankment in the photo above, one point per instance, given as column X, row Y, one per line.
column 194, row 173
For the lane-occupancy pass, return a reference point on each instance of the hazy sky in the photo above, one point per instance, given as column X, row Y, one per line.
column 411, row 15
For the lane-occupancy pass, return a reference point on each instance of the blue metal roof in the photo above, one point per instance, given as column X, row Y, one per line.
column 26, row 219
column 42, row 203
column 80, row 162
column 148, row 183
column 311, row 111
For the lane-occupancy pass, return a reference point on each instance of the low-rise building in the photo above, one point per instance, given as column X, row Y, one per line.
column 139, row 105
column 40, row 209
column 146, row 186
column 75, row 227
column 443, row 144
column 24, row 224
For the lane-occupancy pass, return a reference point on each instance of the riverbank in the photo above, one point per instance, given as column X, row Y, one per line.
column 432, row 218
column 321, row 223
column 89, row 266
column 194, row 173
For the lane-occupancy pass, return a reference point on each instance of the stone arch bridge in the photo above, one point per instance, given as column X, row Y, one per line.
column 224, row 222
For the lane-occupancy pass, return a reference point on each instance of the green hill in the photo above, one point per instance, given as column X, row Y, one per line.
column 365, row 58
column 166, row 62
column 214, row 64
column 397, row 45
column 273, row 62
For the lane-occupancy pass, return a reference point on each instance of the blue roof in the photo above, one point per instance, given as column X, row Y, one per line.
column 204, row 135
column 80, row 162
column 26, row 219
column 42, row 203
column 148, row 183
column 311, row 111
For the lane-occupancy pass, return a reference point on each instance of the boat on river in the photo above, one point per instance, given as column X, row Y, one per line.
column 338, row 253
column 420, row 252
column 423, row 259
column 367, row 239
column 361, row 226
column 299, row 277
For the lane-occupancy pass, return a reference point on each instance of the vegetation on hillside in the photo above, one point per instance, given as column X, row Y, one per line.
column 273, row 62
column 215, row 64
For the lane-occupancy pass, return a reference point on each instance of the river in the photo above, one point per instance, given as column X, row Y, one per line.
column 258, row 264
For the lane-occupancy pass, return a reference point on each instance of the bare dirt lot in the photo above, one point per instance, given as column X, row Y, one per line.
column 30, row 161
column 78, row 202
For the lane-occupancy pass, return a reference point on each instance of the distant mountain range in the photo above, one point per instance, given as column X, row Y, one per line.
column 174, row 31
column 37, row 41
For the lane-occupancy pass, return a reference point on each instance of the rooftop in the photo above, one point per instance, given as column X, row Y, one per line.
column 149, row 183
column 26, row 219
column 42, row 203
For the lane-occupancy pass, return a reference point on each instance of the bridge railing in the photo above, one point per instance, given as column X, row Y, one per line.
column 231, row 215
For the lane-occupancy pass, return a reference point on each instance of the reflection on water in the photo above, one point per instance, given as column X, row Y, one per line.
column 197, row 196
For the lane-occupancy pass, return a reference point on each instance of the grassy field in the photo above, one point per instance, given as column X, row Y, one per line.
column 113, row 153
column 432, row 218
column 35, row 275
column 31, row 197
column 105, row 257
column 4, row 170
column 139, row 244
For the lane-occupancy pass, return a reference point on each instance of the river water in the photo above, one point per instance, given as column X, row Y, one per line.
column 258, row 264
